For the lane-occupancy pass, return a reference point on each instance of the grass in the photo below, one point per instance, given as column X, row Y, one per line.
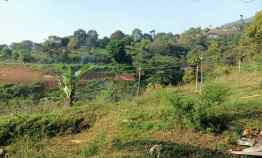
column 129, row 128
column 67, row 121
column 95, row 147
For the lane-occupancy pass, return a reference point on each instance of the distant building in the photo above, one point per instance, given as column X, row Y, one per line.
column 213, row 35
column 221, row 32
column 228, row 29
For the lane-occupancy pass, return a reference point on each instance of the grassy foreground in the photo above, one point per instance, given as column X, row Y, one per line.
column 130, row 128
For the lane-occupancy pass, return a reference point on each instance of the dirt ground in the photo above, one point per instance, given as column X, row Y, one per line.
column 22, row 74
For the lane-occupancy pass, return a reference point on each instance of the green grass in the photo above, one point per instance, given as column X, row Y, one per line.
column 67, row 121
column 130, row 127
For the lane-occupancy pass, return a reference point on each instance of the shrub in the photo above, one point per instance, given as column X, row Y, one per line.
column 183, row 106
column 189, row 75
column 10, row 91
column 196, row 114
column 213, row 94
column 209, row 122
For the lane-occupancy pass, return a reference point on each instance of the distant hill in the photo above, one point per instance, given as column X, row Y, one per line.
column 237, row 23
column 229, row 29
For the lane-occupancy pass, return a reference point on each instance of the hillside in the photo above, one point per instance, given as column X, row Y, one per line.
column 140, row 95
column 230, row 28
column 237, row 23
column 131, row 127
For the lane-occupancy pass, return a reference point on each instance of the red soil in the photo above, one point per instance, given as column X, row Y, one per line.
column 13, row 74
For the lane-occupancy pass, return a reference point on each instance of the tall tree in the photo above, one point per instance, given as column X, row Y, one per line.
column 117, row 35
column 194, row 37
column 91, row 39
column 166, row 44
column 117, row 50
column 102, row 43
column 65, row 41
column 215, row 52
column 137, row 35
column 6, row 52
column 80, row 37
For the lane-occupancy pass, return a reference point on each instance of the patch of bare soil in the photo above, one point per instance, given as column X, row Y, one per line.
column 22, row 74
column 19, row 74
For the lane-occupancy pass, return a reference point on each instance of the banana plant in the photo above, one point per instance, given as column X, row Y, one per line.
column 69, row 79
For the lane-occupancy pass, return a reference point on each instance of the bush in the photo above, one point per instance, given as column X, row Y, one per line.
column 10, row 91
column 196, row 114
column 204, row 118
column 213, row 94
column 209, row 122
column 183, row 106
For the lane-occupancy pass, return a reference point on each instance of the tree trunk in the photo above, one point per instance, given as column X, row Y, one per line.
column 68, row 102
column 197, row 78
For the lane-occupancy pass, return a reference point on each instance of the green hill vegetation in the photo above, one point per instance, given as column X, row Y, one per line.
column 139, row 95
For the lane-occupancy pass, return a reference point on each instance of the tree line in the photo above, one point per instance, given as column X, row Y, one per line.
column 182, row 51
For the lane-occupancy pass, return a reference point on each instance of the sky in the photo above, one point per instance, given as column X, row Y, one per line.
column 37, row 19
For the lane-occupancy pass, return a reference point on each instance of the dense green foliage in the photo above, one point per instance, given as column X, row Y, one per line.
column 163, row 56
